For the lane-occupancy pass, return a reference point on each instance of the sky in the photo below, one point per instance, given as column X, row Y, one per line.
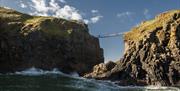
column 102, row 16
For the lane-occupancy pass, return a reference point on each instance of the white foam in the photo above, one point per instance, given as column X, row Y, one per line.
column 74, row 74
column 35, row 71
column 151, row 88
column 147, row 88
column 100, row 84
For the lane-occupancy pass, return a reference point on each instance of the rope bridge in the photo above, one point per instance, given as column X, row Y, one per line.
column 110, row 35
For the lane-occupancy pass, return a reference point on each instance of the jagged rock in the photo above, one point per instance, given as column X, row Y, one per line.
column 152, row 54
column 46, row 43
column 100, row 69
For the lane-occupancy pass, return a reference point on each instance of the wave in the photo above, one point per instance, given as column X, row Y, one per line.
column 94, row 85
column 83, row 83
column 35, row 71
column 147, row 88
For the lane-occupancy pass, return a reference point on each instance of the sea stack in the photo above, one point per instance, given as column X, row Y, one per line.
column 151, row 57
column 46, row 43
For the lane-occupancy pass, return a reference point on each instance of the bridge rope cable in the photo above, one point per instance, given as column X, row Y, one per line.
column 111, row 35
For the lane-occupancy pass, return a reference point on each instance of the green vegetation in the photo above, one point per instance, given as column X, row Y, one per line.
column 140, row 31
column 9, row 15
column 44, row 24
column 26, row 24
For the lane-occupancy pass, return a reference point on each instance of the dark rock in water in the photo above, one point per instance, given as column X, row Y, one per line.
column 101, row 70
column 46, row 43
column 152, row 54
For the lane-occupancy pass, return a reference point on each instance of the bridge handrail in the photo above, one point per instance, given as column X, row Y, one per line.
column 111, row 35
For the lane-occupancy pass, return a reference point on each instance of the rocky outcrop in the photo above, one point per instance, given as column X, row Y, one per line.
column 152, row 54
column 46, row 43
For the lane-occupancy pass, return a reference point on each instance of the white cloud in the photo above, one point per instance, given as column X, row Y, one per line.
column 94, row 11
column 68, row 12
column 44, row 8
column 59, row 9
column 40, row 6
column 53, row 8
column 53, row 5
column 96, row 16
column 146, row 14
column 96, row 19
column 20, row 3
column 93, row 19
column 62, row 1
column 23, row 5
column 124, row 14
column 86, row 21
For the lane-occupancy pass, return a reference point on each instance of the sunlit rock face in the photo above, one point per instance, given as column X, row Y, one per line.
column 152, row 54
column 46, row 42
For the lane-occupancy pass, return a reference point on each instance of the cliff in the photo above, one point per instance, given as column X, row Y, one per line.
column 46, row 43
column 151, row 57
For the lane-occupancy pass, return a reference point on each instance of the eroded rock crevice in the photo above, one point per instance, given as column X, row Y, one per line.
column 46, row 43
column 152, row 54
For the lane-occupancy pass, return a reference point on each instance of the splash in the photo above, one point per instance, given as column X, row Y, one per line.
column 73, row 81
column 161, row 88
column 35, row 71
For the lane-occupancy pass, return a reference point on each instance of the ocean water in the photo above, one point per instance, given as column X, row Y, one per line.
column 38, row 80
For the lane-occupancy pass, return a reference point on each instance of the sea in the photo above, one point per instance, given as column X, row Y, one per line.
column 34, row 79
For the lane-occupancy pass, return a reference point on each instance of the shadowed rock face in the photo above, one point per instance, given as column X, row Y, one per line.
column 46, row 43
column 152, row 54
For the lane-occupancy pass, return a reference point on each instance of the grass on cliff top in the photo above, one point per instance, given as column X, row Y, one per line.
column 9, row 15
column 48, row 25
column 138, row 33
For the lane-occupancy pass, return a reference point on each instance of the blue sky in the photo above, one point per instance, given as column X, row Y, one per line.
column 102, row 16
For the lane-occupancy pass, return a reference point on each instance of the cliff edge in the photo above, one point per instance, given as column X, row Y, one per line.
column 151, row 57
column 46, row 42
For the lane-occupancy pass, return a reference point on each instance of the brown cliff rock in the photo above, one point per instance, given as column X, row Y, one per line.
column 152, row 54
column 46, row 43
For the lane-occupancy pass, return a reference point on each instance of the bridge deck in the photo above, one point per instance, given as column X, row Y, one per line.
column 111, row 35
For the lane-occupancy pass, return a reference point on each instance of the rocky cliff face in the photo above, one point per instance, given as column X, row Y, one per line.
column 152, row 54
column 46, row 43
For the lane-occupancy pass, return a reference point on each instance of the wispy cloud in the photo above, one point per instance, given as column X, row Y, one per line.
column 62, row 1
column 59, row 9
column 53, row 8
column 146, row 14
column 68, row 12
column 22, row 5
column 94, row 11
column 96, row 16
column 124, row 14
